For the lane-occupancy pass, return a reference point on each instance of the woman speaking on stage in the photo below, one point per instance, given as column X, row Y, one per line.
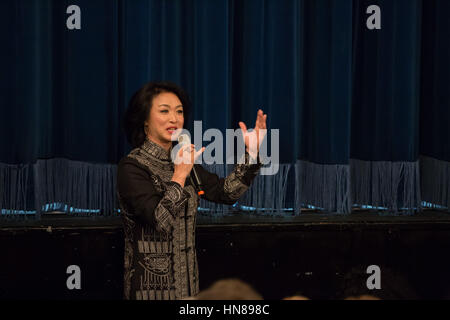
column 158, row 200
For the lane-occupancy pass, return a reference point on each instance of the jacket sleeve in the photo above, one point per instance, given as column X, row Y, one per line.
column 142, row 200
column 228, row 190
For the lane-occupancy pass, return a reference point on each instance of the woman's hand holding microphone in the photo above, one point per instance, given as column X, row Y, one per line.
column 184, row 162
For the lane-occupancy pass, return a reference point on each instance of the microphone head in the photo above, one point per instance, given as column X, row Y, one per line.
column 184, row 139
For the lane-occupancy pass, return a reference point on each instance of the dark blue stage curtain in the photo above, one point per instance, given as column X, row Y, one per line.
column 362, row 114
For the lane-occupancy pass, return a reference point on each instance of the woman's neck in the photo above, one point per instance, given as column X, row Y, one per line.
column 166, row 146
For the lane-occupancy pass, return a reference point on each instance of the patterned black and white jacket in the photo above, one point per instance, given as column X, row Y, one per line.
column 159, row 219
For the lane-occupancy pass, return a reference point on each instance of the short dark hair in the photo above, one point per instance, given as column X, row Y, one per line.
column 139, row 109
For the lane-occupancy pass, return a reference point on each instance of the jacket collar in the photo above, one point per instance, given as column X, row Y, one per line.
column 156, row 150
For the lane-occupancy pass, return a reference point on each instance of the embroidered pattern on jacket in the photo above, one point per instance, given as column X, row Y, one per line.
column 160, row 261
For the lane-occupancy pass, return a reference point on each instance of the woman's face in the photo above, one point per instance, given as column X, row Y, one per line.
column 166, row 115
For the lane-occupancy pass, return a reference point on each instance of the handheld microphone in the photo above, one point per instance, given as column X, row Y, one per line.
column 184, row 139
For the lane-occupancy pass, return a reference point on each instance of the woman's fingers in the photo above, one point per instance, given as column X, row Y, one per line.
column 180, row 153
column 259, row 116
column 264, row 122
column 198, row 153
column 243, row 127
column 260, row 120
column 188, row 153
column 260, row 123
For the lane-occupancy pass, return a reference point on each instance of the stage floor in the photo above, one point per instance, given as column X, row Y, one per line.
column 308, row 218
column 322, row 256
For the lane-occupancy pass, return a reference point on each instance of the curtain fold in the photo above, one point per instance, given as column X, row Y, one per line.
column 435, row 106
column 363, row 114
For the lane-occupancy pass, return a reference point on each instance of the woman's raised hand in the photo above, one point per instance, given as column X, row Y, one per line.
column 254, row 139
